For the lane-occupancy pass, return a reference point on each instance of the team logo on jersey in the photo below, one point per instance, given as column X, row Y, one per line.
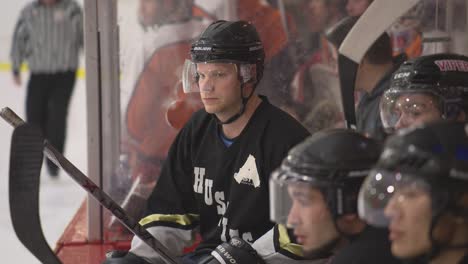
column 248, row 173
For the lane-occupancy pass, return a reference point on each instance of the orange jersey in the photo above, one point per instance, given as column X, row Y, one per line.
column 414, row 49
column 158, row 108
column 267, row 21
column 157, row 89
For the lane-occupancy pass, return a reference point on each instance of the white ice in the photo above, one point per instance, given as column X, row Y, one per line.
column 59, row 198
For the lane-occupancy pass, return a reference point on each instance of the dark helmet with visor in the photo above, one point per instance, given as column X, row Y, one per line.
column 236, row 42
column 431, row 159
column 429, row 84
column 230, row 42
column 333, row 161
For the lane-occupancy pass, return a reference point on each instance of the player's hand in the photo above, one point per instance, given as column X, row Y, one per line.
column 235, row 251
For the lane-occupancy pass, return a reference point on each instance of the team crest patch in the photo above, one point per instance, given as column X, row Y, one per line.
column 248, row 173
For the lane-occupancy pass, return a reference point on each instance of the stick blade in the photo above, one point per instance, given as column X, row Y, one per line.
column 26, row 157
column 378, row 17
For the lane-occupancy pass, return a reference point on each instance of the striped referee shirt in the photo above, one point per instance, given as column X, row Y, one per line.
column 48, row 38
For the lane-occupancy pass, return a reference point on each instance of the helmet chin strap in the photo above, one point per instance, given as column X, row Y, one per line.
column 244, row 100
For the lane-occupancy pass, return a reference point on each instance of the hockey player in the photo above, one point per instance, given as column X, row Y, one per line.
column 215, row 179
column 425, row 89
column 315, row 191
column 419, row 188
column 268, row 21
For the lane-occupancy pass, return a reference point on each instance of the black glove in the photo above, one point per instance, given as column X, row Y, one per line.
column 236, row 251
column 123, row 257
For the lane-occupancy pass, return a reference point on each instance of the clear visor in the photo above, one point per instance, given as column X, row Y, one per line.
column 190, row 77
column 207, row 75
column 280, row 201
column 401, row 110
column 286, row 189
column 383, row 188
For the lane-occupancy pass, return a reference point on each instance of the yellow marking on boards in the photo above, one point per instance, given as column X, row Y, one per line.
column 6, row 67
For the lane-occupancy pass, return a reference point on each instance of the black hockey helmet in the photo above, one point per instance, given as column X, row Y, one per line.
column 236, row 42
column 230, row 41
column 443, row 77
column 233, row 41
column 432, row 159
column 334, row 161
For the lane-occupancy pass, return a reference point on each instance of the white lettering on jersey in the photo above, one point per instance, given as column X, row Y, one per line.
column 199, row 174
column 233, row 233
column 208, row 192
column 248, row 173
column 223, row 222
column 247, row 236
column 219, row 198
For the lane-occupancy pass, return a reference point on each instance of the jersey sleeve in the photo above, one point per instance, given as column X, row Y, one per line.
column 172, row 214
column 277, row 247
column 20, row 42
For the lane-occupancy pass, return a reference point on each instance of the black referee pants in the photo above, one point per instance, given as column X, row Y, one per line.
column 47, row 101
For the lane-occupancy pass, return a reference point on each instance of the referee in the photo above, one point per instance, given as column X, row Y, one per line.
column 48, row 36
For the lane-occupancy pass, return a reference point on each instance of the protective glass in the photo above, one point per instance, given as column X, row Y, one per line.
column 300, row 77
column 400, row 109
column 383, row 187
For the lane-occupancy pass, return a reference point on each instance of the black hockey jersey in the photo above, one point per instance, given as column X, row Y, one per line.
column 221, row 190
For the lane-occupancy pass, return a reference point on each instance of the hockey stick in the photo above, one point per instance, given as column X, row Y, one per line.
column 376, row 19
column 25, row 168
column 88, row 185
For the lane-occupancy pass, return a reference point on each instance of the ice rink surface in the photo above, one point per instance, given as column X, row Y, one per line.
column 59, row 197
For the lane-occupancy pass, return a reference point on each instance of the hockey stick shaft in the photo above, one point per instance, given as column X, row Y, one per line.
column 11, row 117
column 98, row 194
